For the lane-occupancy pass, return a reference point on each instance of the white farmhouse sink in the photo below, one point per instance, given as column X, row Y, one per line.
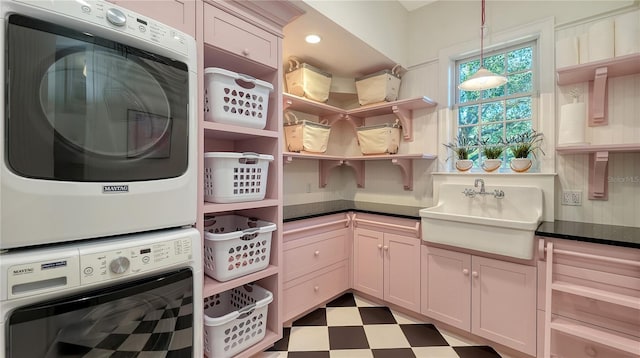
column 485, row 223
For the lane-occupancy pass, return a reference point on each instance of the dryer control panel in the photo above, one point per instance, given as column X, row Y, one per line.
column 36, row 271
column 118, row 262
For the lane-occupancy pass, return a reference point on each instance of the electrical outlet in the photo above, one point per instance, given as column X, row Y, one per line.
column 308, row 187
column 571, row 197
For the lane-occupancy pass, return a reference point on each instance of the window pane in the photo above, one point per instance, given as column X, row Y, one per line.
column 492, row 133
column 467, row 115
column 519, row 108
column 468, row 96
column 470, row 132
column 467, row 69
column 520, row 83
column 520, row 60
column 493, row 92
column 515, row 128
column 495, row 63
column 492, row 111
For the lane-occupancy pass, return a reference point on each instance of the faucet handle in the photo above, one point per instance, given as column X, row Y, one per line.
column 469, row 193
column 498, row 194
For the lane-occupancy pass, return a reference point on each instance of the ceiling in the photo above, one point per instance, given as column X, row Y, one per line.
column 340, row 52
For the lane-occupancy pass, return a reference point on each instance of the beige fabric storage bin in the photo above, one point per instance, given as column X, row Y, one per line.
column 379, row 139
column 303, row 135
column 378, row 87
column 304, row 80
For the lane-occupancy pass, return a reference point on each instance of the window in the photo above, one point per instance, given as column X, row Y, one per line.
column 489, row 116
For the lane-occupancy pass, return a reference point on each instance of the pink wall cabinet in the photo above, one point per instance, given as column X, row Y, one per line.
column 180, row 14
column 387, row 266
column 316, row 260
column 590, row 300
column 490, row 298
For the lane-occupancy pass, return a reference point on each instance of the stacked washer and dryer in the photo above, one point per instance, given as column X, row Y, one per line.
column 98, row 180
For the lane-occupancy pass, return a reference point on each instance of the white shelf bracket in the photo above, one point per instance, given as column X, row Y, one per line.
column 406, row 166
column 598, row 179
column 406, row 118
column 288, row 159
column 598, row 98
column 358, row 167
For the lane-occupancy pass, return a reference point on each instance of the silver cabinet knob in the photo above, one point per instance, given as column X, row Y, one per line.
column 119, row 265
column 116, row 17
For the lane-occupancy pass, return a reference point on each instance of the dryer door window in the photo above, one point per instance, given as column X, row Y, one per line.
column 84, row 108
column 154, row 316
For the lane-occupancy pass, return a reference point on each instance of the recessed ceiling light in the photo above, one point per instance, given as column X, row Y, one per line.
column 312, row 39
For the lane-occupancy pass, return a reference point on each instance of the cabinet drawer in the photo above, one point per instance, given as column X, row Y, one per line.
column 239, row 37
column 309, row 254
column 309, row 291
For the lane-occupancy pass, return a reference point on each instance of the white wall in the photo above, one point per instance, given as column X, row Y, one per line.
column 381, row 24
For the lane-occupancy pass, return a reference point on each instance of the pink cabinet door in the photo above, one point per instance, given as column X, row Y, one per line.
column 402, row 271
column 368, row 269
column 445, row 286
column 180, row 14
column 504, row 303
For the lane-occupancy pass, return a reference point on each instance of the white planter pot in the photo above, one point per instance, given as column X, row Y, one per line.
column 464, row 164
column 520, row 165
column 490, row 165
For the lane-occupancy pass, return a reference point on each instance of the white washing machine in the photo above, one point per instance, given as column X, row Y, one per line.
column 136, row 295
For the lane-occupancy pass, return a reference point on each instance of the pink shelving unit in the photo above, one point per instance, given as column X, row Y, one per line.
column 597, row 73
column 403, row 109
column 599, row 164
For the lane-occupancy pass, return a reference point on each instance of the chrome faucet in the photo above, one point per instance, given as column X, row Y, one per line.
column 471, row 193
column 481, row 182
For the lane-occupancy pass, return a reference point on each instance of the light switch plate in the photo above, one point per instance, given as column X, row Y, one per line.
column 571, row 197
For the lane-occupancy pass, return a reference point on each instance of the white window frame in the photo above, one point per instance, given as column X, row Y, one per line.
column 533, row 94
column 543, row 33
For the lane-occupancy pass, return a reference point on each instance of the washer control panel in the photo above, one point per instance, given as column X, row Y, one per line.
column 108, row 15
column 118, row 262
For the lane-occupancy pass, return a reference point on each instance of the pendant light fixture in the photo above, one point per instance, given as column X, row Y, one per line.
column 483, row 79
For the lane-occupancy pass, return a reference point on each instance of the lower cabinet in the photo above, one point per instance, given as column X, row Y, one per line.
column 316, row 263
column 387, row 266
column 490, row 298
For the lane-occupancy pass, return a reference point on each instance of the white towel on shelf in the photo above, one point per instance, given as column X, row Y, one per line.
column 601, row 40
column 627, row 33
column 583, row 47
column 567, row 52
column 572, row 124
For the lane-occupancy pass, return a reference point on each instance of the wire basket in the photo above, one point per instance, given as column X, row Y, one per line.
column 235, row 245
column 234, row 320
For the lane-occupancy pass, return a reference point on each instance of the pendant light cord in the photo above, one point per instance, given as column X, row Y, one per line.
column 482, row 19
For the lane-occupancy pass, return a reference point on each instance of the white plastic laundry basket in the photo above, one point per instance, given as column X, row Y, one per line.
column 234, row 98
column 235, row 320
column 235, row 245
column 234, row 177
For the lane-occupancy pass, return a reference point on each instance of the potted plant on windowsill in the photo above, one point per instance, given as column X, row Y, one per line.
column 492, row 153
column 521, row 146
column 461, row 148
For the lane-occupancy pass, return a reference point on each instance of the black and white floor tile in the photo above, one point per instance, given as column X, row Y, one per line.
column 352, row 327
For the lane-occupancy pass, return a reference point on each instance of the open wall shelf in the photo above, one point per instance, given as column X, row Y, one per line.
column 403, row 109
column 596, row 73
column 328, row 162
column 599, row 164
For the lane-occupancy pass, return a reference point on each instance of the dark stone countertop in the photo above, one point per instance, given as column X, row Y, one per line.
column 625, row 236
column 306, row 211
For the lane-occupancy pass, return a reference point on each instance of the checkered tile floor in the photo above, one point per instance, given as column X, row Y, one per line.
column 351, row 327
